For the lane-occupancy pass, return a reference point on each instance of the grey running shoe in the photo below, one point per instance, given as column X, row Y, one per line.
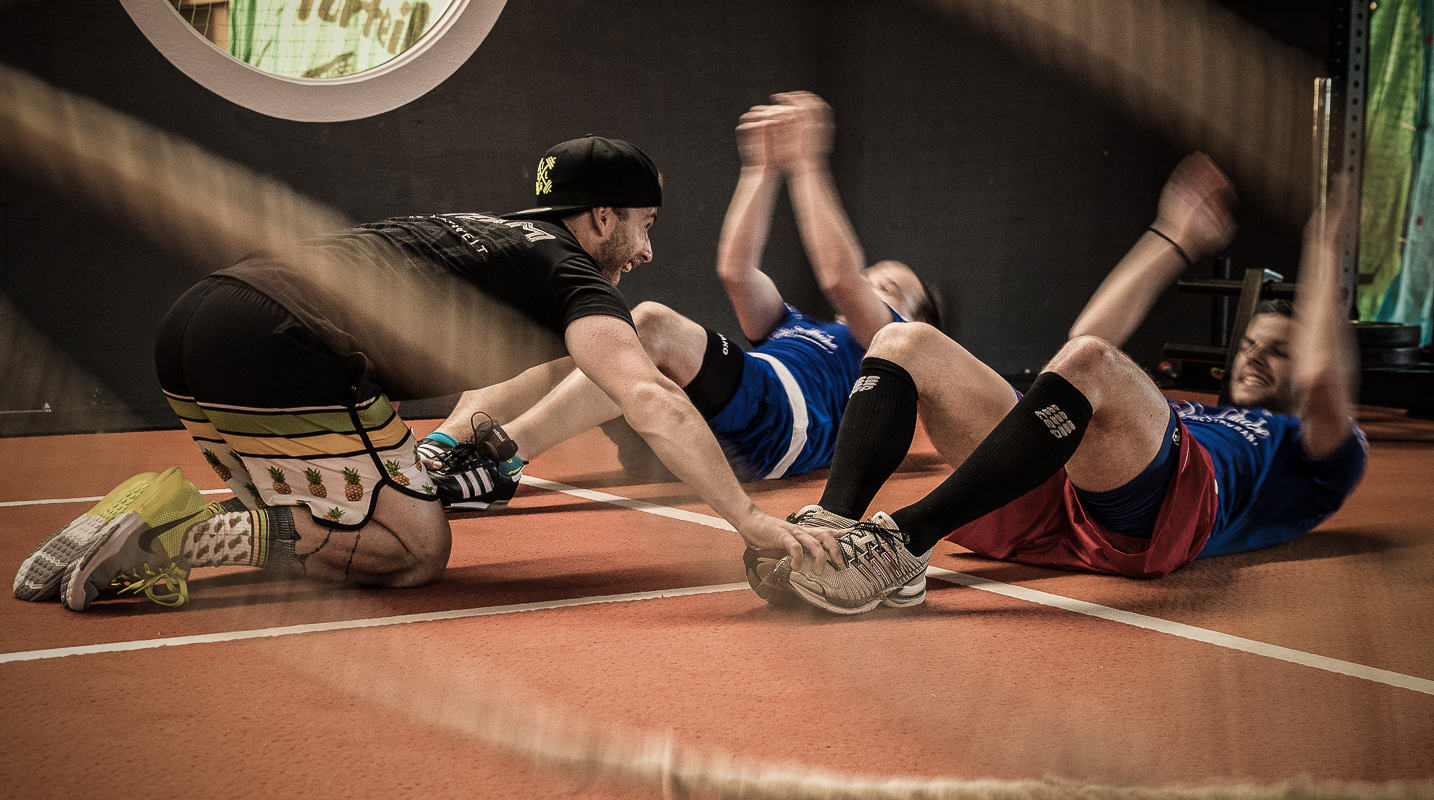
column 770, row 577
column 762, row 576
column 139, row 550
column 879, row 569
column 39, row 577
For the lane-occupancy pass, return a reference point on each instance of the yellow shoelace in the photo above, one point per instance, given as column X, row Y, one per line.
column 171, row 577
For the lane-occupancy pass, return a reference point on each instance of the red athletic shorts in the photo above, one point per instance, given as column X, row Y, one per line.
column 1048, row 528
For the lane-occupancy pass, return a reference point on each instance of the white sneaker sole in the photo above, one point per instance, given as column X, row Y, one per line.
column 39, row 577
column 908, row 594
column 476, row 505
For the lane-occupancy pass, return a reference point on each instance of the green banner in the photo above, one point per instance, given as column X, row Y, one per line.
column 1396, row 72
column 1410, row 300
column 327, row 38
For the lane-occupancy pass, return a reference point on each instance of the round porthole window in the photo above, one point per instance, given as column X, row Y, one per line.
column 317, row 60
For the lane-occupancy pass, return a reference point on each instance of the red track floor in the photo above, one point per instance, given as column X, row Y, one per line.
column 1314, row 658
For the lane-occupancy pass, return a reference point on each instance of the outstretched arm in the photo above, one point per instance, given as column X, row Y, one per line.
column 1323, row 345
column 754, row 296
column 802, row 134
column 607, row 350
column 1195, row 212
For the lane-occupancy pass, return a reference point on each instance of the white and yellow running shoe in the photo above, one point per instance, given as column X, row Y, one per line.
column 39, row 577
column 139, row 550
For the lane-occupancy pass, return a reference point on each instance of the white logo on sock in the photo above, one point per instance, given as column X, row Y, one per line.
column 1056, row 420
column 865, row 382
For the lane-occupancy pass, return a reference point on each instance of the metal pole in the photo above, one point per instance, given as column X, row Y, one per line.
column 1220, row 314
column 1348, row 63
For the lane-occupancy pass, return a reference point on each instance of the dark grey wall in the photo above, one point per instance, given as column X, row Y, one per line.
column 1012, row 188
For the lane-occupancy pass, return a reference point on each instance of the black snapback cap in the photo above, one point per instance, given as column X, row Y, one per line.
column 592, row 171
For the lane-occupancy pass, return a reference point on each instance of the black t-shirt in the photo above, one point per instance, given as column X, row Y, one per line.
column 413, row 296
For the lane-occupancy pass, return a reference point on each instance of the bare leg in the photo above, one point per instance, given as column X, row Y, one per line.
column 405, row 543
column 1092, row 413
column 910, row 368
column 675, row 343
column 1129, row 416
column 576, row 405
column 960, row 398
column 508, row 400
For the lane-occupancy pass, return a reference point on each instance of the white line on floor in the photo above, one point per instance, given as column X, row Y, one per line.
column 1191, row 632
column 626, row 502
column 432, row 616
column 1065, row 603
column 1187, row 631
column 63, row 500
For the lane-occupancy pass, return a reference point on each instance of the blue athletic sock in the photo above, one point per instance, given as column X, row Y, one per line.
column 444, row 438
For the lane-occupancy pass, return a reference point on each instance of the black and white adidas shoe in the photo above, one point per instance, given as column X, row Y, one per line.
column 466, row 481
column 472, row 475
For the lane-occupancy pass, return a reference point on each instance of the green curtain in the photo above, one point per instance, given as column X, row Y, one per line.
column 1410, row 299
column 1396, row 73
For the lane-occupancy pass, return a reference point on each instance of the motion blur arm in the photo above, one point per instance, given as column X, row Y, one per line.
column 802, row 143
column 1194, row 220
column 745, row 229
column 1124, row 299
column 1324, row 368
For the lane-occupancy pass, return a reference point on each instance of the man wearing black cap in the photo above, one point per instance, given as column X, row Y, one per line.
column 775, row 408
column 285, row 369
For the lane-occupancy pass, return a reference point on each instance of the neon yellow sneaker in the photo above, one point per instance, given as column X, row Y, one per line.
column 39, row 577
column 139, row 550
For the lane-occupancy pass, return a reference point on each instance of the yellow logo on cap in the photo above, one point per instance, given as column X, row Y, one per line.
column 544, row 184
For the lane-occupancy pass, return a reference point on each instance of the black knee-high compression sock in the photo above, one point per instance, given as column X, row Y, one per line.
column 876, row 431
column 1027, row 447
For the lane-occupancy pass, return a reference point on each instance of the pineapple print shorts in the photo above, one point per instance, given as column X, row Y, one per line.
column 276, row 413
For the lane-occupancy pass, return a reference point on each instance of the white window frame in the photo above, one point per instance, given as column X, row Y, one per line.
column 410, row 75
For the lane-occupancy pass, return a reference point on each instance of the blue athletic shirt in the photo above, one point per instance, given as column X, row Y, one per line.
column 755, row 427
column 1271, row 491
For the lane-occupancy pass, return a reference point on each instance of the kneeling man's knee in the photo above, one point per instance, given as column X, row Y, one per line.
column 417, row 545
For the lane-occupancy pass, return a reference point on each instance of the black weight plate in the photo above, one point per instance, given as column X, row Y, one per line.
column 1389, row 357
column 1384, row 335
